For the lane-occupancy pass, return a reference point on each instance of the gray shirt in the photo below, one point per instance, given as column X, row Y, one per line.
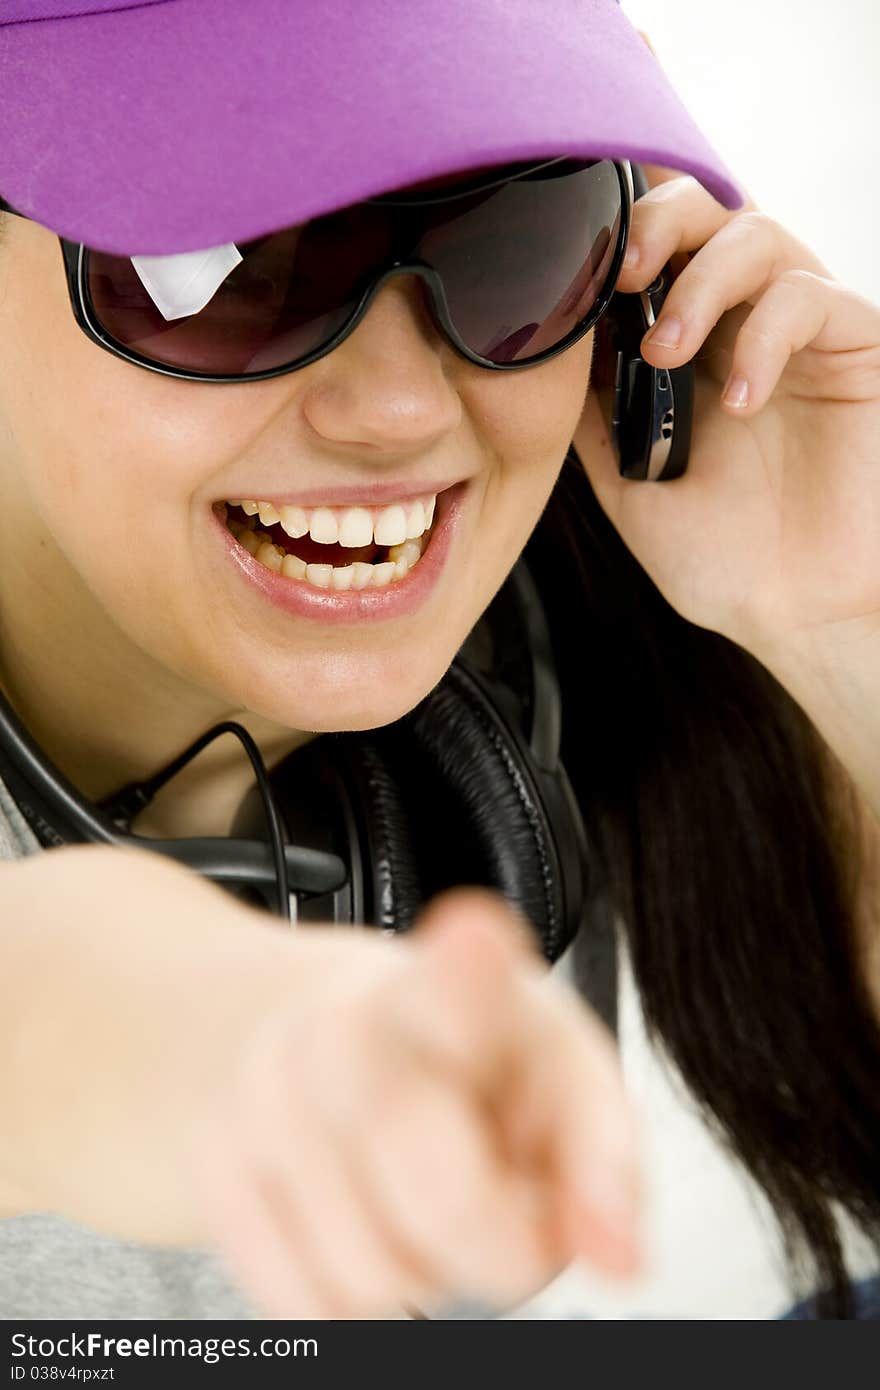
column 54, row 1268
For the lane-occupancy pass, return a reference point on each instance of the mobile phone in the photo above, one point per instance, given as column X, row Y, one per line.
column 648, row 410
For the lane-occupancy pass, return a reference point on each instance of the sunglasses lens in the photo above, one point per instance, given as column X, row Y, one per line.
column 290, row 294
column 522, row 266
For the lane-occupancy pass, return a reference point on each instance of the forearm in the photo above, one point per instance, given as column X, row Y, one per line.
column 115, row 1029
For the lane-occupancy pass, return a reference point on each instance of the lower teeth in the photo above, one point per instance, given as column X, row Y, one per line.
column 360, row 575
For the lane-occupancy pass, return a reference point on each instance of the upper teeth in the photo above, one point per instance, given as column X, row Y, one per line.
column 350, row 526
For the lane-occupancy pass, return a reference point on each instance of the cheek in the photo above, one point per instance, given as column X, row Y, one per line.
column 82, row 433
column 105, row 465
column 109, row 456
column 528, row 420
column 536, row 409
column 100, row 487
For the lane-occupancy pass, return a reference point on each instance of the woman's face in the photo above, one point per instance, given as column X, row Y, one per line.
column 113, row 477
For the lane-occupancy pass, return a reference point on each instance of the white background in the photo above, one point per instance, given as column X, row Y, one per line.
column 787, row 94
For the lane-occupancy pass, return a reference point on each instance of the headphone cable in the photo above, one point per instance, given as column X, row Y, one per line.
column 124, row 805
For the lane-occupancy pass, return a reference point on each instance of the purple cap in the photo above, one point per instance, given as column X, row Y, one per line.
column 160, row 126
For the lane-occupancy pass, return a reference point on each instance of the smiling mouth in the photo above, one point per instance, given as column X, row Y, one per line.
column 318, row 556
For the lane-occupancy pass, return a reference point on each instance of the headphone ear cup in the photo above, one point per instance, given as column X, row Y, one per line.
column 336, row 794
column 441, row 797
column 475, row 814
column 388, row 861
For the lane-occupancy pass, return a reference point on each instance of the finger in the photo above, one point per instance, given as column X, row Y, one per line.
column 489, row 905
column 371, row 1288
column 250, row 1237
column 578, row 1117
column 734, row 268
column 436, row 1173
column 655, row 174
column 797, row 311
column 440, row 1024
column 457, row 1004
column 585, row 1127
column 328, row 1215
column 674, row 217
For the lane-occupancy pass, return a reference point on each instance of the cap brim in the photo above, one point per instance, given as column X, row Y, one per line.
column 177, row 126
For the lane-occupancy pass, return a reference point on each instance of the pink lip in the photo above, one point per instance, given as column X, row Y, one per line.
column 397, row 599
column 366, row 495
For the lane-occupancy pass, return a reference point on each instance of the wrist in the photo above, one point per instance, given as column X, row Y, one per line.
column 118, row 1026
column 833, row 673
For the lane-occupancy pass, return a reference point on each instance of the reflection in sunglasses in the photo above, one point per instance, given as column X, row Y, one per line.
column 517, row 268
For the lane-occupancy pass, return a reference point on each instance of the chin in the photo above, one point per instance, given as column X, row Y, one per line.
column 358, row 713
column 347, row 695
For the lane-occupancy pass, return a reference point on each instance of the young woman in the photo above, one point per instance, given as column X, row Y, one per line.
column 357, row 1125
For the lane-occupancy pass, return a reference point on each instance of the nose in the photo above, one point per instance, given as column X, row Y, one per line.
column 389, row 386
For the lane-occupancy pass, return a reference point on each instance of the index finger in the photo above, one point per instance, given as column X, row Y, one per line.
column 545, row 1066
column 459, row 1003
column 568, row 1104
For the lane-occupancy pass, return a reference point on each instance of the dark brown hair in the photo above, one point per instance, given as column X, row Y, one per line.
column 730, row 845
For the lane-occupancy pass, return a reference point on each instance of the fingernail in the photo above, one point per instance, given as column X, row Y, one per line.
column 632, row 257
column 736, row 392
column 666, row 332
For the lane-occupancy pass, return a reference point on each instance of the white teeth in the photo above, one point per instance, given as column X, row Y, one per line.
column 404, row 556
column 270, row 556
column 341, row 578
column 320, row 575
column 292, row 567
column 361, row 574
column 349, row 526
column 249, row 540
column 356, row 527
column 294, row 521
column 391, row 526
column 382, row 574
column 323, row 526
column 415, row 521
column 408, row 550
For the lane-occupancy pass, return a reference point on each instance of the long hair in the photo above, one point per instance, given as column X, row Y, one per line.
column 728, row 839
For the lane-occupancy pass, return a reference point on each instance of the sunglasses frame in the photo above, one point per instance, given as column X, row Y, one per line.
column 75, row 263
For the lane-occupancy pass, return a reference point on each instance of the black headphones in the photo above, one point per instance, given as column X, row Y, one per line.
column 466, row 788
column 469, row 787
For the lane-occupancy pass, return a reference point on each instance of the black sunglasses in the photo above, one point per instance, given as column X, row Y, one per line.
column 518, row 266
